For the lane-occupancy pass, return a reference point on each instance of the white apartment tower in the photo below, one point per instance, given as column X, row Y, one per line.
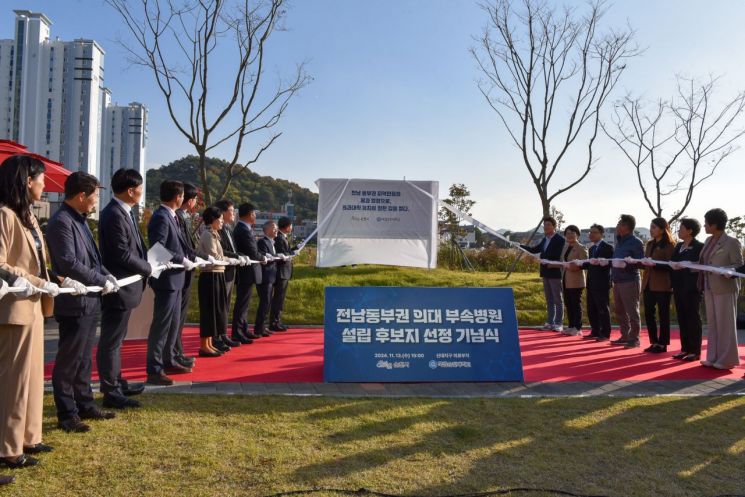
column 124, row 139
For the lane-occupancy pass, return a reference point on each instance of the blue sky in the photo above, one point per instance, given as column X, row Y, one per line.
column 394, row 94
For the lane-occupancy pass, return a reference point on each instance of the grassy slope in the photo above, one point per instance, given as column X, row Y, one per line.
column 233, row 446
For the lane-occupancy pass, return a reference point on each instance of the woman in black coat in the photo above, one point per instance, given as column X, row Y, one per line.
column 686, row 292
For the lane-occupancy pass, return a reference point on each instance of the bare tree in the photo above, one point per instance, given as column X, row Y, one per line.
column 676, row 145
column 547, row 73
column 209, row 105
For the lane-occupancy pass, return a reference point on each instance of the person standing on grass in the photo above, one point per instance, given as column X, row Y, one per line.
column 75, row 257
column 573, row 282
column 284, row 273
column 656, row 285
column 686, row 294
column 720, row 292
column 626, row 283
column 550, row 248
column 598, row 285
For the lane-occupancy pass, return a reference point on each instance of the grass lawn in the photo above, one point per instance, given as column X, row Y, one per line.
column 195, row 445
column 304, row 304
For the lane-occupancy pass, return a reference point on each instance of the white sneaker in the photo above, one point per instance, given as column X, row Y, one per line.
column 559, row 328
column 548, row 327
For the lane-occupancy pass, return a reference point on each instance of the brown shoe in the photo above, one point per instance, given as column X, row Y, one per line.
column 159, row 379
column 177, row 369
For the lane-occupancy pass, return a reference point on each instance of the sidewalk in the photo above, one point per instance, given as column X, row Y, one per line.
column 443, row 390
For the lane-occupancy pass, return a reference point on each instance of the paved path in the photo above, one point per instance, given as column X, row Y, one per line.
column 444, row 390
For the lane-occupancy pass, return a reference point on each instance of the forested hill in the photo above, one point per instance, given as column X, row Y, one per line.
column 265, row 192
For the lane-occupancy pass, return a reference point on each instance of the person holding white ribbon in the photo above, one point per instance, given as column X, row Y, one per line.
column 22, row 253
column 720, row 292
column 75, row 256
column 686, row 293
column 626, row 283
column 656, row 285
column 574, row 279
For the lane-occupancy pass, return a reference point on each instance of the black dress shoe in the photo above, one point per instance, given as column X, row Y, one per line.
column 277, row 328
column 73, row 425
column 159, row 379
column 692, row 357
column 220, row 346
column 229, row 342
column 177, row 369
column 209, row 353
column 283, row 327
column 589, row 337
column 186, row 361
column 96, row 413
column 243, row 339
column 631, row 344
column 620, row 341
column 650, row 348
column 113, row 402
column 7, row 479
column 22, row 461
column 37, row 449
column 253, row 336
column 602, row 339
column 680, row 355
column 133, row 389
column 658, row 349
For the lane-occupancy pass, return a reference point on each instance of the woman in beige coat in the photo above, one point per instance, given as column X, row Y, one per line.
column 22, row 252
column 573, row 280
column 720, row 292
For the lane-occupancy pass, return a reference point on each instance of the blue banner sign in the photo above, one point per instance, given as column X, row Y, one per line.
column 397, row 334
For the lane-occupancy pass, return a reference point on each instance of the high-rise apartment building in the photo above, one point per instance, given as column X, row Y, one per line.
column 53, row 100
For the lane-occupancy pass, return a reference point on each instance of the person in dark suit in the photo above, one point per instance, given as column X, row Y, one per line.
column 551, row 248
column 183, row 216
column 284, row 273
column 124, row 254
column 230, row 250
column 598, row 285
column 248, row 275
column 268, row 277
column 686, row 293
column 163, row 228
column 75, row 257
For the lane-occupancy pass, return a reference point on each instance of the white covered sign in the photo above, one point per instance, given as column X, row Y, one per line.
column 369, row 221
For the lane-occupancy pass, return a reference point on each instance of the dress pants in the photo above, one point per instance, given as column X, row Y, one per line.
column 573, row 301
column 688, row 307
column 244, row 288
column 265, row 299
column 598, row 311
column 626, row 302
column 659, row 301
column 71, row 376
column 178, row 345
column 163, row 330
column 721, row 336
column 21, row 384
column 554, row 301
column 279, row 293
column 114, row 324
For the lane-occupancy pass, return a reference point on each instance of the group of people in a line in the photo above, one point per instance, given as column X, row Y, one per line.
column 605, row 266
column 66, row 256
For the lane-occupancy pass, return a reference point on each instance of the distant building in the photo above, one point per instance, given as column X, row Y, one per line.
column 53, row 99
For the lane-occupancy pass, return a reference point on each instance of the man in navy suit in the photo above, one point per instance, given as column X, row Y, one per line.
column 284, row 273
column 229, row 249
column 598, row 285
column 164, row 229
column 550, row 248
column 248, row 276
column 268, row 276
column 75, row 257
column 124, row 254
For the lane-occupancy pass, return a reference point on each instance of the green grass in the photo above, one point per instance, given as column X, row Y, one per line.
column 304, row 304
column 198, row 445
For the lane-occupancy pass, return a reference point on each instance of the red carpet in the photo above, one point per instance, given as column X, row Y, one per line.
column 296, row 356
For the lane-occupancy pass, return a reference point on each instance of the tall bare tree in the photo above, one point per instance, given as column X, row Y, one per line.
column 547, row 73
column 676, row 145
column 211, row 105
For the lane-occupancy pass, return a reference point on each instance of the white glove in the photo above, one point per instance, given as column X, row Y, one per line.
column 647, row 262
column 245, row 261
column 233, row 262
column 152, row 270
column 79, row 288
column 264, row 259
column 211, row 259
column 109, row 287
column 602, row 261
column 629, row 260
column 619, row 263
column 28, row 288
column 188, row 265
column 4, row 287
column 51, row 288
column 112, row 279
